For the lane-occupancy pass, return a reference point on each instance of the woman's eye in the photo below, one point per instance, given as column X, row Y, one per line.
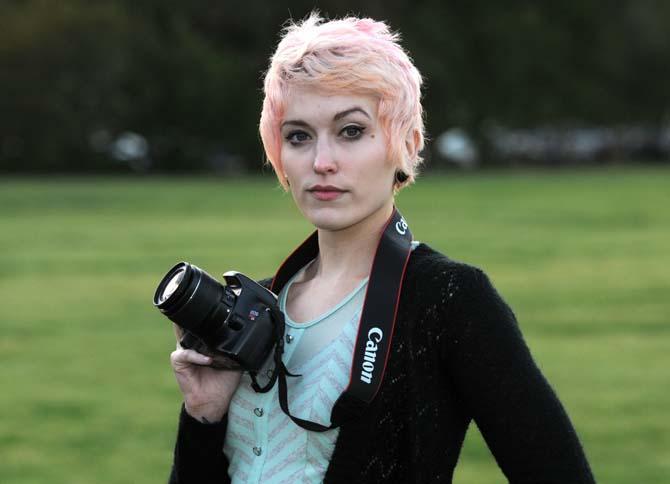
column 352, row 132
column 297, row 137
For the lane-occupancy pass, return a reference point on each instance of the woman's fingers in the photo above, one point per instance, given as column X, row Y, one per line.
column 207, row 391
column 181, row 358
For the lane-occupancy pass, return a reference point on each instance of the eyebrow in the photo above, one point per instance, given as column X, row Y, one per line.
column 342, row 114
column 338, row 116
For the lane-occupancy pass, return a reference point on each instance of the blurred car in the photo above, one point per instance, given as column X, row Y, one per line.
column 552, row 145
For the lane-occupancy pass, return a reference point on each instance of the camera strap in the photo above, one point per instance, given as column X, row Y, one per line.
column 375, row 328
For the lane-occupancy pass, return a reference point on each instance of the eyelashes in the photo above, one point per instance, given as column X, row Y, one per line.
column 296, row 137
column 351, row 132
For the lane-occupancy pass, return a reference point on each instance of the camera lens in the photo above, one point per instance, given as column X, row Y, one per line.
column 171, row 286
column 194, row 300
column 176, row 284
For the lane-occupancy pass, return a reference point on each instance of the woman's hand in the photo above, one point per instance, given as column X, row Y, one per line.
column 207, row 391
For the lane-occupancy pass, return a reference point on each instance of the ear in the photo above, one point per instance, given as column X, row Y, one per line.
column 412, row 144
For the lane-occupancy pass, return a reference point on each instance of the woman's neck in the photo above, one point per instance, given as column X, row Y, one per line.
column 348, row 253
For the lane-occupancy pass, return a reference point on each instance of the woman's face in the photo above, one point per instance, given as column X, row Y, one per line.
column 334, row 155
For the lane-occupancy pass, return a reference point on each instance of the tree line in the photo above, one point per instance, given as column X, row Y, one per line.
column 180, row 82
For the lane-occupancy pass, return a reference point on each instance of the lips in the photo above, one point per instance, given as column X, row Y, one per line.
column 325, row 192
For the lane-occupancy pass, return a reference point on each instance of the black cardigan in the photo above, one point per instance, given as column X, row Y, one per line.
column 457, row 355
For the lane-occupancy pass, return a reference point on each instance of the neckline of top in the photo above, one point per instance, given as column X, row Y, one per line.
column 320, row 317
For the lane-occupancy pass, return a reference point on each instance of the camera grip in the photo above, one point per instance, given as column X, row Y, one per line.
column 192, row 342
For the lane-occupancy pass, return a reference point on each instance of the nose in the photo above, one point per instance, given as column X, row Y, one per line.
column 324, row 158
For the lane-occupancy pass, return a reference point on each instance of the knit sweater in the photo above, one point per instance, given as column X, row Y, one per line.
column 457, row 355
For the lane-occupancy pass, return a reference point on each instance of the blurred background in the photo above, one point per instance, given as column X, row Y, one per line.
column 128, row 142
column 167, row 86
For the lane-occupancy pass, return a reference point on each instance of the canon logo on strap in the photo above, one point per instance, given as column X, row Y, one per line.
column 375, row 335
column 401, row 226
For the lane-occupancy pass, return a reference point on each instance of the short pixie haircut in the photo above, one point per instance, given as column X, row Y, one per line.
column 360, row 56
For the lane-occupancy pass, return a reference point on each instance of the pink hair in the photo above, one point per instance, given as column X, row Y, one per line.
column 361, row 56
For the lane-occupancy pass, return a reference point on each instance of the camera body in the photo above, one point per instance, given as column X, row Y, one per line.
column 234, row 324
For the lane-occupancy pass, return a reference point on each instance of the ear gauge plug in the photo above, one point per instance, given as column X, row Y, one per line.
column 401, row 177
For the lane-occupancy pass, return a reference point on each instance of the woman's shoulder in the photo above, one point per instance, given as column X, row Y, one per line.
column 430, row 268
column 437, row 279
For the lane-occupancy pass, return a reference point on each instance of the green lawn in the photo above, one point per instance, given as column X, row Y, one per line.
column 88, row 396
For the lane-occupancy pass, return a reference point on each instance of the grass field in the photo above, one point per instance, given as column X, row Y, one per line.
column 87, row 394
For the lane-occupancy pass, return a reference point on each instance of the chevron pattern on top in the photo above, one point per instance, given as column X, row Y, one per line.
column 262, row 444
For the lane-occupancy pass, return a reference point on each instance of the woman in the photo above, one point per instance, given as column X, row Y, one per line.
column 342, row 126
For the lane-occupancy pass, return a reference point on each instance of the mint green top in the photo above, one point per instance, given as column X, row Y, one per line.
column 262, row 443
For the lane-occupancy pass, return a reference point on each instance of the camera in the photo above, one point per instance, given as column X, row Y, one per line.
column 235, row 323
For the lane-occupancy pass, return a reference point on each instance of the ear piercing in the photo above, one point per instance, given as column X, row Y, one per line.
column 401, row 177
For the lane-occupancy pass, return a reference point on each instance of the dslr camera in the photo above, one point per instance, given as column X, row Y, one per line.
column 237, row 324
